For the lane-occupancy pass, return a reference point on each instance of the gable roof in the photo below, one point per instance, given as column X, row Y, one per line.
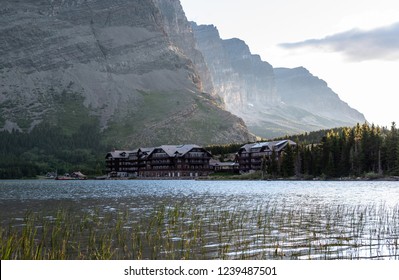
column 170, row 150
column 118, row 154
column 247, row 147
column 276, row 145
column 181, row 150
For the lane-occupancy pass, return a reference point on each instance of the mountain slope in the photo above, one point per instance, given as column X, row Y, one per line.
column 273, row 102
column 122, row 62
column 239, row 78
column 298, row 87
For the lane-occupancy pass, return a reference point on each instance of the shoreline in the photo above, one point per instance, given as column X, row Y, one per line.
column 230, row 178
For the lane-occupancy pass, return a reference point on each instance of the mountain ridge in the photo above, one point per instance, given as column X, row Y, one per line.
column 273, row 102
column 146, row 74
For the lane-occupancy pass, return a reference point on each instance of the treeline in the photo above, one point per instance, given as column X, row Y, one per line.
column 360, row 151
column 50, row 149
column 223, row 149
column 363, row 150
column 313, row 137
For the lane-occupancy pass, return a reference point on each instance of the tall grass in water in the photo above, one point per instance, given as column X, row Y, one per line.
column 270, row 231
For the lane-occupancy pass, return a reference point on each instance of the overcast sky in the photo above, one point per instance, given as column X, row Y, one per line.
column 352, row 45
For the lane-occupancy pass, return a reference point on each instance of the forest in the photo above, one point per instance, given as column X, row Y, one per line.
column 48, row 148
column 361, row 151
column 366, row 151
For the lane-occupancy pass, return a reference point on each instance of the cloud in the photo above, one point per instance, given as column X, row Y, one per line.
column 358, row 45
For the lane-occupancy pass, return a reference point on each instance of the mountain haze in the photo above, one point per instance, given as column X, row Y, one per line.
column 272, row 101
column 298, row 87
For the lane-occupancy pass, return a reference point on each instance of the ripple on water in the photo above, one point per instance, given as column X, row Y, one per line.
column 282, row 220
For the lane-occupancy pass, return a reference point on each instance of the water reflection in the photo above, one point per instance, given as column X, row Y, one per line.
column 290, row 192
column 232, row 220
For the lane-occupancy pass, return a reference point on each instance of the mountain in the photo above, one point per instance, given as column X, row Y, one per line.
column 128, row 66
column 298, row 87
column 273, row 102
column 239, row 78
column 142, row 75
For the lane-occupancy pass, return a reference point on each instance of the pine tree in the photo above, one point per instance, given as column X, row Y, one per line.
column 264, row 167
column 396, row 169
column 298, row 161
column 288, row 165
column 390, row 149
column 273, row 168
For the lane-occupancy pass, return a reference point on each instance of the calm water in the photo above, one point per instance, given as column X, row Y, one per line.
column 215, row 193
column 310, row 205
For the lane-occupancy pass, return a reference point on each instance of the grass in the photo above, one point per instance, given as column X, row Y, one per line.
column 69, row 112
column 271, row 231
column 149, row 110
column 156, row 118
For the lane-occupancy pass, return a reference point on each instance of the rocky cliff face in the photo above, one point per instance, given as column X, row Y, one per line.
column 272, row 102
column 180, row 33
column 298, row 87
column 239, row 78
column 131, row 63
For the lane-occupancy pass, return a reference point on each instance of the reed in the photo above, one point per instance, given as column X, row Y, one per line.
column 270, row 231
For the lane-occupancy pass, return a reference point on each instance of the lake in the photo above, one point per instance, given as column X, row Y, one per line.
column 210, row 219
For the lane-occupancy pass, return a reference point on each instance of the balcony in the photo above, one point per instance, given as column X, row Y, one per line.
column 161, row 162
column 197, row 156
column 156, row 156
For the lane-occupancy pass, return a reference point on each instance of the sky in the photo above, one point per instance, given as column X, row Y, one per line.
column 352, row 45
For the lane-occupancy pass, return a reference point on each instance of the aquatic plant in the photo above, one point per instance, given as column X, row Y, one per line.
column 181, row 231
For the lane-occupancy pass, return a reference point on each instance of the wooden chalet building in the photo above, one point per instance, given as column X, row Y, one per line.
column 224, row 167
column 250, row 156
column 164, row 161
